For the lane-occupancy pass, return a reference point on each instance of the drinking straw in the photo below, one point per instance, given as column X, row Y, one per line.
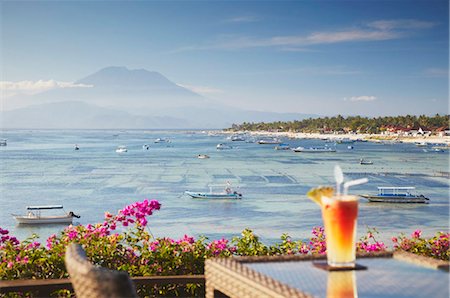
column 353, row 183
column 339, row 177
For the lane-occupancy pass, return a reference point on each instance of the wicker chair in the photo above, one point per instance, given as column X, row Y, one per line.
column 89, row 280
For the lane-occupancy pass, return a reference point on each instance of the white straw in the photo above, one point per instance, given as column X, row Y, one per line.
column 339, row 177
column 353, row 183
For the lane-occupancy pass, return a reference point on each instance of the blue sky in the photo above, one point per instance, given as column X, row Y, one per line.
column 325, row 57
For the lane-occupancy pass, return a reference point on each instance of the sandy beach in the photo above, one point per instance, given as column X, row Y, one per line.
column 369, row 137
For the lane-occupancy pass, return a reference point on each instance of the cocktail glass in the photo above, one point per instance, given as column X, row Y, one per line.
column 339, row 215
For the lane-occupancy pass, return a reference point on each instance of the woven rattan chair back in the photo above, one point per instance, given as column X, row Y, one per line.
column 91, row 281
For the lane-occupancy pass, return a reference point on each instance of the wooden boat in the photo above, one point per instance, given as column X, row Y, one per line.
column 208, row 195
column 228, row 193
column 345, row 141
column 269, row 141
column 34, row 216
column 162, row 140
column 421, row 144
column 282, row 146
column 396, row 195
column 362, row 161
column 222, row 146
column 237, row 138
column 121, row 149
column 314, row 149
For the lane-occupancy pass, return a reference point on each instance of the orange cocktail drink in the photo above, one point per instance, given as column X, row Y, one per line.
column 339, row 215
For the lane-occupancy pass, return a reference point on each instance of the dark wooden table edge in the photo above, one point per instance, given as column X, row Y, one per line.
column 48, row 286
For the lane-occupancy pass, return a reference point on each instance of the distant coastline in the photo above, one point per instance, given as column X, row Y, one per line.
column 434, row 139
column 408, row 129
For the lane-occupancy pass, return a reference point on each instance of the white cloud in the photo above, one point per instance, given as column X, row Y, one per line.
column 39, row 85
column 243, row 19
column 401, row 24
column 372, row 31
column 201, row 89
column 299, row 40
column 436, row 72
column 32, row 87
column 361, row 98
column 349, row 36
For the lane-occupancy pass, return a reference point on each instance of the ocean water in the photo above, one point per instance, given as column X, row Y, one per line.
column 41, row 167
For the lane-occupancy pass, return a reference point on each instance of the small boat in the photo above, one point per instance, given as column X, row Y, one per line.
column 269, row 141
column 283, row 146
column 345, row 141
column 145, row 147
column 202, row 156
column 237, row 138
column 314, row 149
column 362, row 161
column 3, row 142
column 222, row 146
column 34, row 216
column 121, row 149
column 421, row 144
column 228, row 193
column 162, row 140
column 76, row 147
column 397, row 195
column 433, row 150
column 440, row 148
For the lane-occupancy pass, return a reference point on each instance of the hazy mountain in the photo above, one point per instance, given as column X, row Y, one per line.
column 116, row 97
column 75, row 114
column 118, row 87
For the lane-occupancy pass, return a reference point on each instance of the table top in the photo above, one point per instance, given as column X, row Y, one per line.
column 384, row 277
column 387, row 275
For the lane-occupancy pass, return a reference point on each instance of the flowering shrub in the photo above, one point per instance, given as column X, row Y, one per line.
column 368, row 243
column 136, row 251
column 318, row 243
column 436, row 247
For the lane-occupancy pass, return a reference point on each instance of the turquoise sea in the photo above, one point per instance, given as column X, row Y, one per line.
column 41, row 167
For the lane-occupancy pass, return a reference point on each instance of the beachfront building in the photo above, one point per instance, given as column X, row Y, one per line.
column 442, row 132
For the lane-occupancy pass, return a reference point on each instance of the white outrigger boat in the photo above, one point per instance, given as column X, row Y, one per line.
column 271, row 141
column 394, row 194
column 223, row 146
column 345, row 141
column 121, row 149
column 314, row 149
column 161, row 140
column 363, row 161
column 282, row 146
column 237, row 138
column 34, row 216
column 228, row 193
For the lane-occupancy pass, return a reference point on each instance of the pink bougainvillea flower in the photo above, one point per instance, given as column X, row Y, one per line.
column 416, row 234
